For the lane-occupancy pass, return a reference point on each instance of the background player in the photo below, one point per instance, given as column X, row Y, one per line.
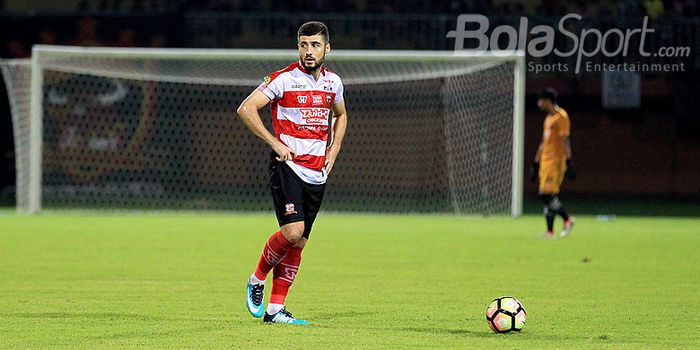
column 301, row 97
column 553, row 161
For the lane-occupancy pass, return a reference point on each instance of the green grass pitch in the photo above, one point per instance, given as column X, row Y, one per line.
column 384, row 281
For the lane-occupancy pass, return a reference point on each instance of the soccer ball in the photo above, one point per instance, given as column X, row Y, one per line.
column 505, row 314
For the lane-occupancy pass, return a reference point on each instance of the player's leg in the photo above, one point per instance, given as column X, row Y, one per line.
column 568, row 221
column 552, row 207
column 562, row 212
column 283, row 276
column 277, row 247
column 287, row 195
column 548, row 187
column 548, row 214
column 286, row 271
column 557, row 207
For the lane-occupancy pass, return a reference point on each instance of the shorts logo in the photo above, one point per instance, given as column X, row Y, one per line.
column 318, row 100
column 301, row 99
column 289, row 209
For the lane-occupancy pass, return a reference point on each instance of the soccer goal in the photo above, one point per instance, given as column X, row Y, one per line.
column 156, row 129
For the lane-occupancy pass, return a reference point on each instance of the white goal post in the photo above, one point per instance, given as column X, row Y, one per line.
column 430, row 131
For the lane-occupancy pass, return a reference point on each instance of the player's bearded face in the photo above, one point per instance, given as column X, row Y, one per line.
column 312, row 51
column 312, row 62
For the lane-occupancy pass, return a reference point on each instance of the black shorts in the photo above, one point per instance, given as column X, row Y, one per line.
column 294, row 199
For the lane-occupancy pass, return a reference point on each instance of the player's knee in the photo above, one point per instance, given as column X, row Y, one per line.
column 302, row 243
column 293, row 232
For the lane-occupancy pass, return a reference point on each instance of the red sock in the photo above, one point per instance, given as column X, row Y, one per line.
column 275, row 250
column 284, row 274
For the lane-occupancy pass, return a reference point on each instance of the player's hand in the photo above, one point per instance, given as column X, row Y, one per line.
column 330, row 159
column 534, row 172
column 284, row 153
column 570, row 171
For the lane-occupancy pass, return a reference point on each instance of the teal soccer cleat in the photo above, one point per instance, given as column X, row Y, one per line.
column 283, row 316
column 254, row 299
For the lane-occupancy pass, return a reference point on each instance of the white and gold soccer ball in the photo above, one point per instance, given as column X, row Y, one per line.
column 505, row 314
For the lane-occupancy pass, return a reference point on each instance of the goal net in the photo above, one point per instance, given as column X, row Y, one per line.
column 156, row 129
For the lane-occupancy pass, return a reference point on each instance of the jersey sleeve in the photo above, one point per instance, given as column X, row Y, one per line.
column 339, row 92
column 272, row 86
column 564, row 127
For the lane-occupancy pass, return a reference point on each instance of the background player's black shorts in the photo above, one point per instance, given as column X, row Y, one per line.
column 294, row 199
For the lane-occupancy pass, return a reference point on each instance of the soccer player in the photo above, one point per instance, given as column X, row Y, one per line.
column 301, row 97
column 553, row 161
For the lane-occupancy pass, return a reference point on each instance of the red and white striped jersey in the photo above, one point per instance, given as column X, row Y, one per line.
column 301, row 112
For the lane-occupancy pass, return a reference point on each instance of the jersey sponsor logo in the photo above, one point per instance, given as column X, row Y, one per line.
column 299, row 86
column 328, row 88
column 323, row 127
column 314, row 115
column 289, row 209
column 301, row 99
column 317, row 100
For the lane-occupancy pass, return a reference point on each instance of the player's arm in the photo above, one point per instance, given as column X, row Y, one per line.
column 248, row 112
column 535, row 167
column 538, row 153
column 339, row 127
column 565, row 127
column 570, row 170
column 567, row 145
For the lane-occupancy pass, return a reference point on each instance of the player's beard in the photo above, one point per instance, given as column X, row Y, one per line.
column 317, row 63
